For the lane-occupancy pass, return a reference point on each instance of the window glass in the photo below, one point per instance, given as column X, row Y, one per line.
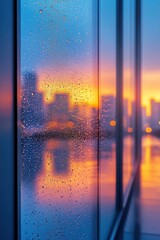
column 150, row 99
column 58, row 120
column 107, row 100
column 128, row 92
column 150, row 67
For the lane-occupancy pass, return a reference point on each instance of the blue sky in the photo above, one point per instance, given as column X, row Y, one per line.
column 55, row 33
column 59, row 35
column 151, row 34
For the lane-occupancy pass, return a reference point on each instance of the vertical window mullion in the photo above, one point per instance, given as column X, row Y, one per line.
column 138, row 78
column 119, row 105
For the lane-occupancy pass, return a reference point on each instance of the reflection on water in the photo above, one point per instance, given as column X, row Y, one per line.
column 128, row 160
column 144, row 212
column 107, row 184
column 150, row 174
column 59, row 188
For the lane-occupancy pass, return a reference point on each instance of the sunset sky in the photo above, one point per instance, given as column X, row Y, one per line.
column 150, row 51
column 58, row 43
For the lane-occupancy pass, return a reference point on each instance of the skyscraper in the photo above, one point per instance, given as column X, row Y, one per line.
column 107, row 113
column 58, row 110
column 126, row 118
column 144, row 119
column 155, row 115
column 31, row 103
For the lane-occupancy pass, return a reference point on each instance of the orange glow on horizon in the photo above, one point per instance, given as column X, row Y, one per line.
column 150, row 88
column 83, row 90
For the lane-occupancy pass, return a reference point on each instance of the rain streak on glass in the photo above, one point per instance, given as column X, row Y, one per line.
column 58, row 120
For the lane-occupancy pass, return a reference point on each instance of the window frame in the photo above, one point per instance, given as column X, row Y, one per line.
column 121, row 206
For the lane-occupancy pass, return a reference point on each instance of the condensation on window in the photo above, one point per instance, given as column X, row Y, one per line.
column 58, row 120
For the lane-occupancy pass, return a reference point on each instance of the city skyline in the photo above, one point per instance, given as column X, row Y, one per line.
column 77, row 27
column 61, row 113
column 49, row 98
column 87, row 93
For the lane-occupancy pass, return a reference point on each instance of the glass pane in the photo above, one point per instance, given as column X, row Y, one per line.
column 128, row 92
column 150, row 67
column 58, row 120
column 107, row 115
column 150, row 102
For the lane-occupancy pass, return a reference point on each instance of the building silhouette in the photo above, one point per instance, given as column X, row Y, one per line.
column 155, row 115
column 145, row 122
column 126, row 119
column 58, row 110
column 107, row 113
column 32, row 114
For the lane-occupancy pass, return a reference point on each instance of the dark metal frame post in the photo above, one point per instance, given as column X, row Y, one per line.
column 119, row 105
column 138, row 130
column 15, row 117
column 17, row 110
column 122, row 208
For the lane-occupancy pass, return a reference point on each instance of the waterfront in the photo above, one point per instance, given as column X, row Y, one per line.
column 60, row 184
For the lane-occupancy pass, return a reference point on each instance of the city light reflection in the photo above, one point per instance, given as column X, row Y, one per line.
column 66, row 170
column 63, row 179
